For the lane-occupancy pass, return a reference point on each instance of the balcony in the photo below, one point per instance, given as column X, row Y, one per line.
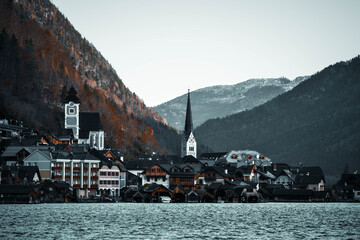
column 94, row 186
column 67, row 168
column 94, row 169
column 57, row 168
column 67, row 176
column 85, row 177
column 86, row 168
column 76, row 177
column 94, row 177
column 85, row 186
column 57, row 177
column 77, row 168
column 76, row 186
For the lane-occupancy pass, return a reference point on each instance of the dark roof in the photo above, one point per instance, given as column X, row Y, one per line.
column 190, row 159
column 155, row 186
column 276, row 168
column 139, row 164
column 211, row 156
column 309, row 175
column 72, row 96
column 90, row 121
column 188, row 119
column 217, row 185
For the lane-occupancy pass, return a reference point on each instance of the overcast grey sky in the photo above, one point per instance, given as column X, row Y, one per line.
column 160, row 48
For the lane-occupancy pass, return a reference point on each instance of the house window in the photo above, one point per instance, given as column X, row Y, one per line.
column 72, row 110
column 191, row 149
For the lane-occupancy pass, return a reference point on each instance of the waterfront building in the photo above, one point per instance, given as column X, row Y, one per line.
column 80, row 170
column 188, row 142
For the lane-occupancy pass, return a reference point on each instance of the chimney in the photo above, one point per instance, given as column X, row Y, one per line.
column 275, row 167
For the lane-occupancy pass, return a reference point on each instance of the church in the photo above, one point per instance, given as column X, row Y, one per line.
column 86, row 126
column 188, row 143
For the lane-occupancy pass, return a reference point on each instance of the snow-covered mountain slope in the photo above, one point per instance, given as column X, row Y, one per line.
column 223, row 100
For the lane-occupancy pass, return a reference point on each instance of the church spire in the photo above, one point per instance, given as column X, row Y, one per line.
column 188, row 119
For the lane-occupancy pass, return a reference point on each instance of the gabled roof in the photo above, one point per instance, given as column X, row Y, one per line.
column 190, row 159
column 21, row 171
column 310, row 175
column 11, row 151
column 154, row 187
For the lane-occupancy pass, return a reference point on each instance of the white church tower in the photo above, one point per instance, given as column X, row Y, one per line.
column 188, row 143
column 72, row 109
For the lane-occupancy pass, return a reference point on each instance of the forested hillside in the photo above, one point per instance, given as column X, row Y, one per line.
column 316, row 123
column 42, row 55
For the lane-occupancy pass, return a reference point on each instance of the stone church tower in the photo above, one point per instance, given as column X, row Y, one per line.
column 72, row 109
column 188, row 143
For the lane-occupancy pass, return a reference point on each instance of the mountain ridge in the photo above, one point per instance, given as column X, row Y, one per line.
column 315, row 123
column 222, row 100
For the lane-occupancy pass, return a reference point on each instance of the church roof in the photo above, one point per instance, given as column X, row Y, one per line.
column 188, row 119
column 72, row 96
column 89, row 121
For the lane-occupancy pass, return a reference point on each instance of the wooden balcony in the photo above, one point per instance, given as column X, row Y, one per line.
column 57, row 168
column 67, row 168
column 57, row 177
column 77, row 168
column 76, row 186
column 67, row 176
column 94, row 186
column 94, row 169
column 156, row 174
column 86, row 168
column 85, row 177
column 76, row 177
column 85, row 186
column 94, row 177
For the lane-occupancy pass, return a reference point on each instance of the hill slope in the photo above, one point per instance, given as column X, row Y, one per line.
column 316, row 123
column 224, row 100
column 41, row 55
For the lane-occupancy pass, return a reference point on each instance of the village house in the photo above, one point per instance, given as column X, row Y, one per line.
column 348, row 187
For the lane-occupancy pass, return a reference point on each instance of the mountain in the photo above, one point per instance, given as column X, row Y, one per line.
column 224, row 100
column 42, row 55
column 316, row 123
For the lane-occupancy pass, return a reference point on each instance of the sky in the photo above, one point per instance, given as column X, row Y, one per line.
column 161, row 48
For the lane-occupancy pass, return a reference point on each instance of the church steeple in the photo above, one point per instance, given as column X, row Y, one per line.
column 188, row 119
column 188, row 143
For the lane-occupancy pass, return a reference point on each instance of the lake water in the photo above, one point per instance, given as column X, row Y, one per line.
column 181, row 221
